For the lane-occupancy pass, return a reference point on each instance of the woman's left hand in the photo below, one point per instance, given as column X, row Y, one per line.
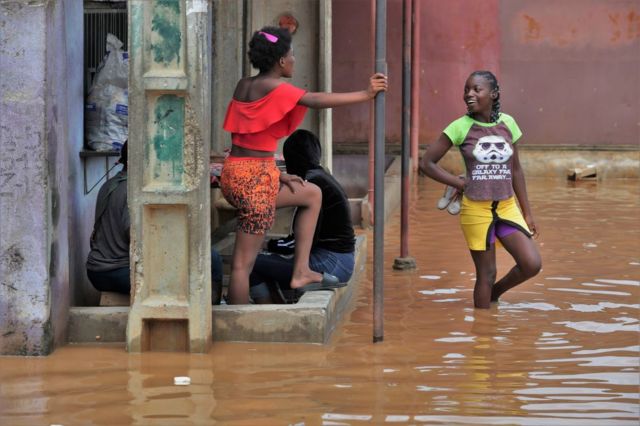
column 288, row 180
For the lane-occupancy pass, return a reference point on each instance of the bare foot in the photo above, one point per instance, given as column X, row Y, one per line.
column 303, row 278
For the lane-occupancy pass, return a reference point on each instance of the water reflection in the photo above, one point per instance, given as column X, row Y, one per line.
column 623, row 324
column 592, row 292
column 560, row 350
column 156, row 398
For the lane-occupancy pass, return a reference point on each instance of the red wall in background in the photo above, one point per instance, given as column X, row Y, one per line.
column 574, row 66
column 569, row 70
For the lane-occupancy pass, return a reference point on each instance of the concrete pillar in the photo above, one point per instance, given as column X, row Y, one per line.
column 40, row 115
column 169, row 136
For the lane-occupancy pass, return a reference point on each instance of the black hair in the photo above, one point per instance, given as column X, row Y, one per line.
column 302, row 152
column 493, row 83
column 264, row 54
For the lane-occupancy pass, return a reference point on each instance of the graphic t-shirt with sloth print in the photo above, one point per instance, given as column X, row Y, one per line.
column 487, row 152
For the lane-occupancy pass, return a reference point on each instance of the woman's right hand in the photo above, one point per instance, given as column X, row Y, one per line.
column 531, row 223
column 463, row 180
column 288, row 180
column 377, row 82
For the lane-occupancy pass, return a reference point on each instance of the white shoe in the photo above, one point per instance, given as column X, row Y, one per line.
column 448, row 195
column 454, row 206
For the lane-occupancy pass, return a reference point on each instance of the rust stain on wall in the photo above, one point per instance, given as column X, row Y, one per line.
column 624, row 26
column 481, row 37
column 616, row 33
column 560, row 26
column 633, row 29
column 532, row 31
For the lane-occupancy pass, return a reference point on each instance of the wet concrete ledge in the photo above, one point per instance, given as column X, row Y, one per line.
column 539, row 160
column 311, row 320
column 392, row 194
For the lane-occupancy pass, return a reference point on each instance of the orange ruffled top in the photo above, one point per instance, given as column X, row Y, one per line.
column 259, row 124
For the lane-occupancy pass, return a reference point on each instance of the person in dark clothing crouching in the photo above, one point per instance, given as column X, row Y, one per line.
column 333, row 249
column 108, row 260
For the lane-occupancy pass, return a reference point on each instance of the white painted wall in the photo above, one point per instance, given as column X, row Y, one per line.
column 25, row 207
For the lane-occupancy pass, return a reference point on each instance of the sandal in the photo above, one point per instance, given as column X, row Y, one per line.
column 328, row 282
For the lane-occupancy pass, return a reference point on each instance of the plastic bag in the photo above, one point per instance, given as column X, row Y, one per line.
column 107, row 106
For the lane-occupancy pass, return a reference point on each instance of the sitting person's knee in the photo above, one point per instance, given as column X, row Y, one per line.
column 260, row 293
column 313, row 194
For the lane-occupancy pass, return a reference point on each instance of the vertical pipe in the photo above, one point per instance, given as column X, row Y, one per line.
column 372, row 120
column 324, row 82
column 378, row 231
column 406, row 122
column 246, row 33
column 415, row 82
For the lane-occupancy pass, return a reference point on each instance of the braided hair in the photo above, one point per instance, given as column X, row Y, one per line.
column 493, row 83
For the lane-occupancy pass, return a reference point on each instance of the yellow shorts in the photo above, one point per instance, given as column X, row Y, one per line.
column 478, row 220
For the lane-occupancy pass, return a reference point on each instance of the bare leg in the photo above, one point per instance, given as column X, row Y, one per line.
column 308, row 198
column 245, row 251
column 528, row 263
column 485, row 262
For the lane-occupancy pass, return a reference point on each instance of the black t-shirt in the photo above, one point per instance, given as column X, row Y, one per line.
column 334, row 230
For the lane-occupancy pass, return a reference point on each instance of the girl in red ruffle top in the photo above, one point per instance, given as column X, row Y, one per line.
column 264, row 109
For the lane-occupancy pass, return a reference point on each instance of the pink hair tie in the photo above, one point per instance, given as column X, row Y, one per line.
column 269, row 37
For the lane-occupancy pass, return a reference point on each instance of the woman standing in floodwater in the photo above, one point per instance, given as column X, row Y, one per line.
column 487, row 140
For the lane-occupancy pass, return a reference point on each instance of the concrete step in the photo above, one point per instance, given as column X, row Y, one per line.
column 108, row 298
column 311, row 320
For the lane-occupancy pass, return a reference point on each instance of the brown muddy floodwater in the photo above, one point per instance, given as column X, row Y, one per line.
column 561, row 349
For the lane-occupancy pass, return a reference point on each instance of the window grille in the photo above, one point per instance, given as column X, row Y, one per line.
column 100, row 19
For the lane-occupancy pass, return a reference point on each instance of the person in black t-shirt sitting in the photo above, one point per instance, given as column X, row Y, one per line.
column 334, row 240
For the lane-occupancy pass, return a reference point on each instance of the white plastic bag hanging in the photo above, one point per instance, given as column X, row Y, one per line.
column 107, row 106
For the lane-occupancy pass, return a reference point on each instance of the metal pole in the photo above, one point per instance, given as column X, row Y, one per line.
column 404, row 261
column 406, row 121
column 415, row 81
column 378, row 230
column 372, row 121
